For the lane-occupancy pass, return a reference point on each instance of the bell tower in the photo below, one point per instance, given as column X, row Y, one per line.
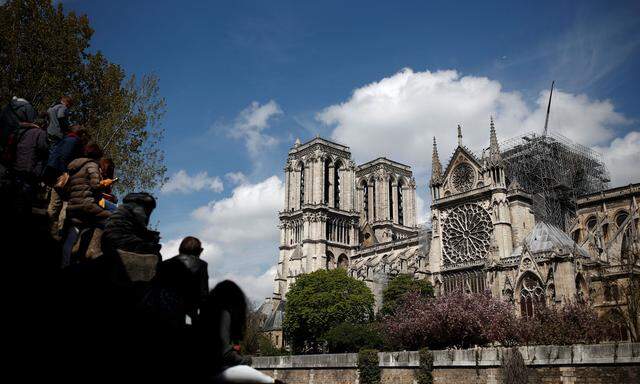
column 319, row 224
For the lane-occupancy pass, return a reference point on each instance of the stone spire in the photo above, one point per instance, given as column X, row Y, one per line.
column 436, row 167
column 459, row 135
column 494, row 150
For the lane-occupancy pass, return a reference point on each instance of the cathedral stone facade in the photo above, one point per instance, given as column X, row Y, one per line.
column 483, row 236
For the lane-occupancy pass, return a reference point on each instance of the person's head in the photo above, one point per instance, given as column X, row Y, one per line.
column 226, row 296
column 81, row 132
column 66, row 100
column 93, row 151
column 190, row 246
column 107, row 168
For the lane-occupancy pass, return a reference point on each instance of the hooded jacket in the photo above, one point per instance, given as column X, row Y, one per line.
column 85, row 191
column 32, row 152
column 127, row 229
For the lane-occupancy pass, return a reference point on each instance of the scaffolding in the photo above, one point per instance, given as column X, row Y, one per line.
column 555, row 171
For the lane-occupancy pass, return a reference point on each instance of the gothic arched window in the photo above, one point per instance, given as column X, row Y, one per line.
column 301, row 184
column 331, row 261
column 581, row 288
column 400, row 205
column 620, row 218
column 327, row 180
column 365, row 200
column 390, row 189
column 372, row 184
column 591, row 223
column 343, row 261
column 336, row 184
column 531, row 295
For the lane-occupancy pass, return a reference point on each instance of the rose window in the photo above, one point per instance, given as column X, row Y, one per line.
column 463, row 177
column 466, row 234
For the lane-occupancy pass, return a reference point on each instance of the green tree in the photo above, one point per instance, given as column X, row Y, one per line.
column 320, row 301
column 397, row 289
column 347, row 337
column 44, row 54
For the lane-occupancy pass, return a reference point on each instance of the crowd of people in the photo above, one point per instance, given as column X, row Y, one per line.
column 105, row 304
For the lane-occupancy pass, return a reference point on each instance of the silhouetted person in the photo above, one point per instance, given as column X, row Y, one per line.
column 127, row 229
column 186, row 275
column 58, row 120
column 223, row 320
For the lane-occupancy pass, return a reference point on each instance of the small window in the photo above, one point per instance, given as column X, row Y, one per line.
column 591, row 223
column 620, row 218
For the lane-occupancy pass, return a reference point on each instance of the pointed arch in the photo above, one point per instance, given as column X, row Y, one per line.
column 331, row 261
column 582, row 289
column 401, row 183
column 327, row 179
column 531, row 294
column 365, row 198
column 343, row 261
column 336, row 183
column 372, row 193
column 390, row 199
column 301, row 184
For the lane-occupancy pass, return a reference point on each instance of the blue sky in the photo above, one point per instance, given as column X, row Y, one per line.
column 243, row 79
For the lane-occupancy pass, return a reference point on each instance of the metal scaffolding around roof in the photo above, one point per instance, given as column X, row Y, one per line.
column 555, row 171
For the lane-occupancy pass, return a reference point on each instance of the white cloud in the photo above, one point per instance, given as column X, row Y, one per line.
column 622, row 157
column 257, row 288
column 250, row 124
column 237, row 178
column 249, row 214
column 240, row 235
column 182, row 182
column 398, row 116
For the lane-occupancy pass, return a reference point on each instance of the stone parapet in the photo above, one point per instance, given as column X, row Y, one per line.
column 540, row 355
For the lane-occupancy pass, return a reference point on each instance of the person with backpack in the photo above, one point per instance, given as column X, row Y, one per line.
column 16, row 118
column 58, row 120
column 31, row 155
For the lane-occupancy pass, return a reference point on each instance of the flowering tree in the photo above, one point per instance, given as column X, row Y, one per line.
column 463, row 320
column 571, row 323
column 457, row 319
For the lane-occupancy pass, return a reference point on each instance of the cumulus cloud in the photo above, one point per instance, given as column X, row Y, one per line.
column 257, row 288
column 399, row 115
column 242, row 234
column 622, row 157
column 182, row 182
column 237, row 178
column 250, row 124
column 249, row 214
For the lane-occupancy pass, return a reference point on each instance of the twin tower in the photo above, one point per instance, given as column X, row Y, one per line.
column 334, row 207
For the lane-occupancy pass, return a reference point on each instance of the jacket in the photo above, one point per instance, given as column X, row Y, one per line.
column 31, row 152
column 127, row 229
column 64, row 152
column 187, row 275
column 58, row 122
column 85, row 191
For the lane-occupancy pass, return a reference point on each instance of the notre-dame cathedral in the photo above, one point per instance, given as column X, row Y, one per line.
column 491, row 229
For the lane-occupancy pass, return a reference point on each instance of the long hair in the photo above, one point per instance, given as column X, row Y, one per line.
column 226, row 296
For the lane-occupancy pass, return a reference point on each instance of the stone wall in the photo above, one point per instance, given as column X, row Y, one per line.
column 598, row 363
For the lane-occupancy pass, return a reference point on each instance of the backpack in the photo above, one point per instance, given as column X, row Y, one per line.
column 15, row 119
